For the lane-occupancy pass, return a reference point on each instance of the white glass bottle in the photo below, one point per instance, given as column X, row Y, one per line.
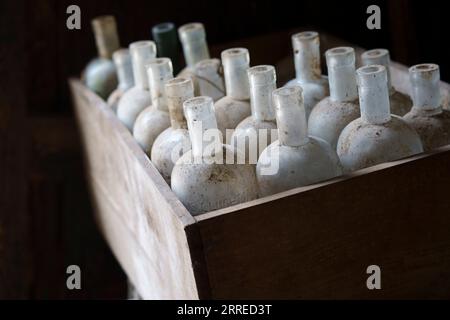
column 208, row 177
column 377, row 136
column 235, row 106
column 295, row 159
column 195, row 49
column 400, row 103
column 330, row 116
column 427, row 116
column 308, row 75
column 122, row 60
column 100, row 74
column 137, row 98
column 257, row 131
column 173, row 142
column 209, row 79
column 154, row 119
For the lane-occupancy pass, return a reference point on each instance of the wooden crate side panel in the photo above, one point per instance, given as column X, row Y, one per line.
column 318, row 243
column 141, row 218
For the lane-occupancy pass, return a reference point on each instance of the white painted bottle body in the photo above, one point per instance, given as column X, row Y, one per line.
column 295, row 159
column 427, row 115
column 154, row 119
column 137, row 98
column 100, row 74
column 122, row 61
column 400, row 103
column 203, row 178
column 377, row 136
column 173, row 142
column 330, row 116
column 255, row 133
column 308, row 75
column 235, row 106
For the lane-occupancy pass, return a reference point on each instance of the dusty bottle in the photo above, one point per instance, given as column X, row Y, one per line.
column 330, row 116
column 208, row 176
column 235, row 106
column 173, row 142
column 166, row 39
column 256, row 132
column 100, row 74
column 195, row 49
column 122, row 60
column 295, row 159
column 137, row 98
column 308, row 75
column 377, row 136
column 427, row 116
column 400, row 103
column 209, row 79
column 154, row 119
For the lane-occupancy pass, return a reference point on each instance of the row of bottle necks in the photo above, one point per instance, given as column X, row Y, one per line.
column 312, row 129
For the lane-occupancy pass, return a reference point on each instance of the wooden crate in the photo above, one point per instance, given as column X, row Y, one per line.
column 310, row 242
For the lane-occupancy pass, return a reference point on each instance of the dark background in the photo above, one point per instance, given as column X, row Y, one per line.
column 46, row 220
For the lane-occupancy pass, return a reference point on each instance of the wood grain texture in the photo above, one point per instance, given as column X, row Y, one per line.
column 139, row 215
column 316, row 242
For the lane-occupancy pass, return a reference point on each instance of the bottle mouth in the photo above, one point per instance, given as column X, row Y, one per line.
column 288, row 91
column 372, row 69
column 262, row 75
column 192, row 31
column 340, row 51
column 179, row 86
column 161, row 61
column 163, row 27
column 234, row 52
column 142, row 44
column 424, row 67
column 375, row 53
column 305, row 35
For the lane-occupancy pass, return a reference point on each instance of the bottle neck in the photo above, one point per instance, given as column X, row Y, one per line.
column 205, row 137
column 122, row 61
column 306, row 47
column 379, row 57
column 341, row 74
column 159, row 72
column 142, row 54
column 106, row 36
column 425, row 88
column 262, row 81
column 291, row 116
column 236, row 62
column 195, row 52
column 374, row 94
column 178, row 90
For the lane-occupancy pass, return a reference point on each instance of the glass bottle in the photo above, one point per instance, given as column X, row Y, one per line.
column 209, row 79
column 100, row 74
column 122, row 61
column 255, row 133
column 295, row 159
column 427, row 116
column 173, row 142
column 235, row 106
column 195, row 49
column 308, row 75
column 137, row 98
column 154, row 119
column 377, row 136
column 166, row 39
column 330, row 116
column 400, row 103
column 208, row 176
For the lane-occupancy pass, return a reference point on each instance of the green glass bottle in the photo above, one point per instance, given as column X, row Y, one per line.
column 166, row 39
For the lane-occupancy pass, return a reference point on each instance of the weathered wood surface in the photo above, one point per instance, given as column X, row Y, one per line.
column 316, row 242
column 139, row 215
